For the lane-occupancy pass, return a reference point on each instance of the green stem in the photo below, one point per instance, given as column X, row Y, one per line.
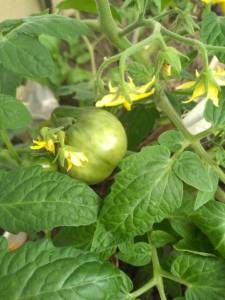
column 170, row 276
column 110, row 29
column 92, row 55
column 104, row 65
column 6, row 140
column 131, row 27
column 191, row 42
column 135, row 48
column 150, row 284
column 168, row 109
column 108, row 25
column 92, row 23
column 90, row 48
column 157, row 276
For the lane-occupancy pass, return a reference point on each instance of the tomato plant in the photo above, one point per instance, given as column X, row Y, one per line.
column 118, row 193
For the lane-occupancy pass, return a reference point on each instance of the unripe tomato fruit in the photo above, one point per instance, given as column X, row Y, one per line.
column 100, row 136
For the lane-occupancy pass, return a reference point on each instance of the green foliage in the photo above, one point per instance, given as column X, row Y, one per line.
column 212, row 32
column 161, row 238
column 46, row 272
column 202, row 274
column 53, row 198
column 80, row 237
column 22, row 53
column 171, row 139
column 210, row 219
column 192, row 171
column 138, row 124
column 88, row 6
column 154, row 193
column 155, row 212
column 8, row 82
column 136, row 254
column 216, row 115
column 13, row 114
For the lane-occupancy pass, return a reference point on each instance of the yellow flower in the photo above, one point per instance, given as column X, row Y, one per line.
column 213, row 1
column 46, row 144
column 135, row 93
column 206, row 86
column 74, row 159
column 220, row 2
column 167, row 70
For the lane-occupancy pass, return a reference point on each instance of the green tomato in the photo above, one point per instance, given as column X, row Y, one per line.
column 102, row 139
column 44, row 162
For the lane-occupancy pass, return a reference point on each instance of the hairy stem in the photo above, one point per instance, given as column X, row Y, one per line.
column 150, row 284
column 91, row 52
column 111, row 30
column 168, row 109
column 157, row 274
column 170, row 276
column 108, row 25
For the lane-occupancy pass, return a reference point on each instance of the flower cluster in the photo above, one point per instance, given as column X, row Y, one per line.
column 49, row 139
column 206, row 85
column 135, row 93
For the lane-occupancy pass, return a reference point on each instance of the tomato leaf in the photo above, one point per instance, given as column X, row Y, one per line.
column 210, row 219
column 192, row 171
column 144, row 192
column 55, row 25
column 204, row 197
column 135, row 254
column 40, row 271
column 216, row 115
column 13, row 113
column 87, row 6
column 22, row 53
column 203, row 276
column 80, row 237
column 172, row 139
column 160, row 238
column 193, row 240
column 138, row 124
column 32, row 199
column 213, row 32
column 8, row 81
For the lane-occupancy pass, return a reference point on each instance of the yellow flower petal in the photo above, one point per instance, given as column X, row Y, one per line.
column 127, row 105
column 69, row 164
column 197, row 73
column 142, row 96
column 213, row 92
column 186, row 85
column 213, row 1
column 145, row 87
column 222, row 6
column 199, row 90
column 110, row 100
column 167, row 70
column 39, row 145
column 50, row 146
column 74, row 159
column 112, row 89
